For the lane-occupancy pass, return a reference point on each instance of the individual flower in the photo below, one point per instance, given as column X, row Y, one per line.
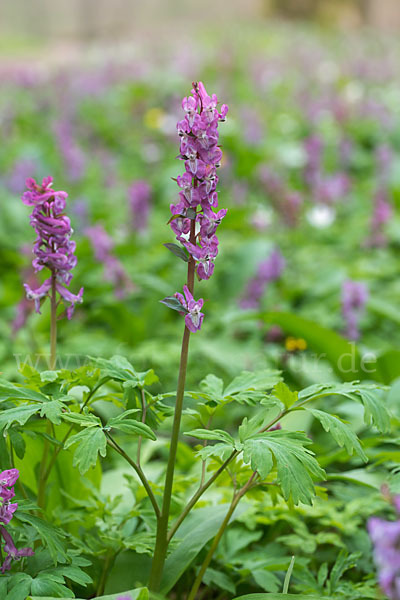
column 354, row 299
column 268, row 270
column 139, row 194
column 53, row 247
column 193, row 315
column 11, row 551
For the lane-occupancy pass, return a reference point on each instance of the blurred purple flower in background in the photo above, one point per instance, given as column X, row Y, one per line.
column 139, row 194
column 21, row 170
column 354, row 298
column 385, row 536
column 72, row 155
column 53, row 247
column 382, row 208
column 268, row 270
column 286, row 202
column 114, row 271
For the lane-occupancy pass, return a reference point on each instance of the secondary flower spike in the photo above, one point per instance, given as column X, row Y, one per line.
column 53, row 247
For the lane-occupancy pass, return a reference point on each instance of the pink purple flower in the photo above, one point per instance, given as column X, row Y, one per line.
column 193, row 315
column 354, row 299
column 53, row 247
column 11, row 551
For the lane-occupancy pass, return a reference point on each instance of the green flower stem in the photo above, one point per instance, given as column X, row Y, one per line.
column 53, row 324
column 113, row 444
column 197, row 495
column 160, row 550
column 144, row 410
column 235, row 501
column 53, row 362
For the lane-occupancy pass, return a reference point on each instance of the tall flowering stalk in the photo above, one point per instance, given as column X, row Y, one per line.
column 53, row 249
column 7, row 509
column 194, row 221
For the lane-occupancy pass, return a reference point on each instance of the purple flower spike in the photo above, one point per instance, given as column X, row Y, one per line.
column 53, row 247
column 193, row 316
column 201, row 156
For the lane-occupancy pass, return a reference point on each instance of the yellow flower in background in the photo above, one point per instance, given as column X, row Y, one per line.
column 293, row 344
column 154, row 117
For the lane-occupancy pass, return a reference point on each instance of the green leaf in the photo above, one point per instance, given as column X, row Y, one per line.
column 130, row 425
column 18, row 442
column 53, row 410
column 10, row 391
column 213, row 434
column 341, row 432
column 295, row 464
column 133, row 427
column 19, row 587
column 274, row 596
column 44, row 584
column 375, row 410
column 20, row 414
column 91, row 442
column 220, row 579
column 285, row 395
column 212, row 386
column 258, row 454
column 135, row 594
column 266, row 580
column 249, row 427
column 197, row 529
column 51, row 536
column 178, row 251
column 174, row 303
column 48, row 376
column 220, row 450
column 249, row 380
column 117, row 368
column 344, row 562
column 84, row 420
